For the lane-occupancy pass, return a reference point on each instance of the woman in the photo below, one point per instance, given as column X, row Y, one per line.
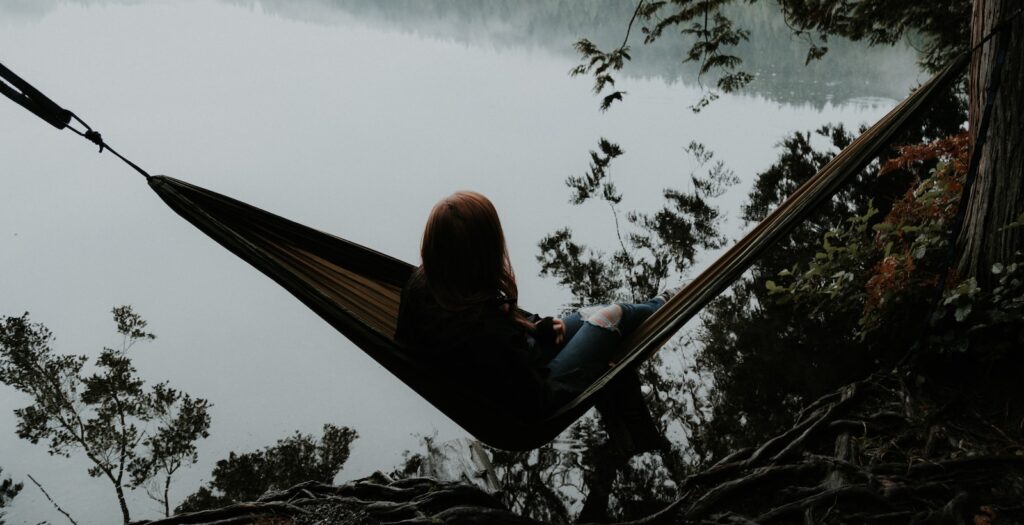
column 459, row 309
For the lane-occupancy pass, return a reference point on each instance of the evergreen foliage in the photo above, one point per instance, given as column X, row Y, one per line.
column 656, row 244
column 292, row 460
column 130, row 435
column 8, row 490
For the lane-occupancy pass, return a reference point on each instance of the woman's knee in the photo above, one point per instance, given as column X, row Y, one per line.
column 608, row 317
column 620, row 318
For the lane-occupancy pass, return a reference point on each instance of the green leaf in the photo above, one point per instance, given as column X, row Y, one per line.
column 962, row 312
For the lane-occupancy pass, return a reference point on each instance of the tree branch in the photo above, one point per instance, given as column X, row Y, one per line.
column 59, row 509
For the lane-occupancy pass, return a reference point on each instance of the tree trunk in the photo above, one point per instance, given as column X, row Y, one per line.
column 998, row 194
column 124, row 504
column 167, row 496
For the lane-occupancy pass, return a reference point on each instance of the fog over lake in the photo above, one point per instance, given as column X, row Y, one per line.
column 352, row 117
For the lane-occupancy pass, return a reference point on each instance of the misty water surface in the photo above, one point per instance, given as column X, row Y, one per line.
column 353, row 118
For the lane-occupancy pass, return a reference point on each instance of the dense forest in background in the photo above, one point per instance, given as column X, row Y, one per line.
column 776, row 57
column 848, row 73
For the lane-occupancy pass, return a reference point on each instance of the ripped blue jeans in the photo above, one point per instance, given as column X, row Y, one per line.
column 592, row 335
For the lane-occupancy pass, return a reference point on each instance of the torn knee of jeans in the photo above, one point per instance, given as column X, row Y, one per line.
column 607, row 317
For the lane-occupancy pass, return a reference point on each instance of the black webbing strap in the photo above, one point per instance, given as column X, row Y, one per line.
column 30, row 98
column 996, row 29
column 17, row 89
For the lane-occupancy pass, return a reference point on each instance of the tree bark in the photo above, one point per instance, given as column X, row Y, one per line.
column 167, row 496
column 998, row 194
column 123, row 503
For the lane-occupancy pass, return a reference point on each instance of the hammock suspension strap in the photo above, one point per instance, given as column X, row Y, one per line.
column 30, row 98
column 27, row 96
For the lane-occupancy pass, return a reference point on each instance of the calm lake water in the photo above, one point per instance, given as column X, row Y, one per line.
column 353, row 117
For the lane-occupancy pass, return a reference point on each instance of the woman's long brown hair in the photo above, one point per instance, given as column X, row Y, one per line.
column 465, row 260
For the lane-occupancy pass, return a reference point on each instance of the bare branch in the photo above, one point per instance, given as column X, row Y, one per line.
column 47, row 494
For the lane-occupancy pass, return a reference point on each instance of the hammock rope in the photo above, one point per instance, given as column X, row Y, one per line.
column 30, row 98
column 357, row 289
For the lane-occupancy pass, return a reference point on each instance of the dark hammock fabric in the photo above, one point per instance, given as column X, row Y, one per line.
column 357, row 289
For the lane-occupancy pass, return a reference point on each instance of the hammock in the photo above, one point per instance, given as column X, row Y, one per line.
column 357, row 289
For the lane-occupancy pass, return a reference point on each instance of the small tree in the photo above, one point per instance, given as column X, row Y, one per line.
column 8, row 490
column 182, row 420
column 107, row 415
column 649, row 246
column 293, row 460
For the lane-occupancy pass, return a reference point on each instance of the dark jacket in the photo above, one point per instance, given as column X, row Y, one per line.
column 484, row 349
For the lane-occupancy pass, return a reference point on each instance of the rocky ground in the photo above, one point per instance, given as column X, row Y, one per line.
column 377, row 500
column 874, row 451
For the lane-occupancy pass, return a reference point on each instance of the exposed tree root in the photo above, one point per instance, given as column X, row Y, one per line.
column 869, row 453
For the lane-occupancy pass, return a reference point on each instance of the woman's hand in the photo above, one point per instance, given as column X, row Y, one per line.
column 559, row 327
